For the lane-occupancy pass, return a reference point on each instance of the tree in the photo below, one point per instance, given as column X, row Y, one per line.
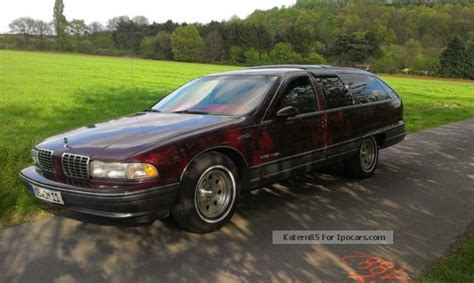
column 128, row 36
column 41, row 30
column 349, row 49
column 283, row 53
column 148, row 48
column 301, row 37
column 77, row 28
column 157, row 47
column 163, row 40
column 236, row 55
column 140, row 20
column 187, row 44
column 214, row 47
column 113, row 23
column 470, row 60
column 453, row 59
column 25, row 27
column 95, row 27
column 60, row 23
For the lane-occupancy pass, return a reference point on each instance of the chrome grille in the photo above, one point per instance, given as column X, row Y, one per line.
column 45, row 159
column 76, row 166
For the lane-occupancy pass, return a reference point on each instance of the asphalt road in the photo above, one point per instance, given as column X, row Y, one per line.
column 423, row 190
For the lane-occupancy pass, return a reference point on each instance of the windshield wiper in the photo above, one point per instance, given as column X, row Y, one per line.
column 192, row 112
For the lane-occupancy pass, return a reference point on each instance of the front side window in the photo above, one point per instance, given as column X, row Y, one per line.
column 300, row 94
column 334, row 91
column 365, row 88
column 220, row 95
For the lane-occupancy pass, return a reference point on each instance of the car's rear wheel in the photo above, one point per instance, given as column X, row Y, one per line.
column 209, row 194
column 364, row 163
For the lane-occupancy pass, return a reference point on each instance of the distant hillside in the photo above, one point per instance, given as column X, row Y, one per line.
column 429, row 37
column 339, row 3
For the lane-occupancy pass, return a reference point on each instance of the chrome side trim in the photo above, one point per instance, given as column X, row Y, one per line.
column 302, row 165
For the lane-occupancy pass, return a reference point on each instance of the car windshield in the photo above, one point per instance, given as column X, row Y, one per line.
column 220, row 95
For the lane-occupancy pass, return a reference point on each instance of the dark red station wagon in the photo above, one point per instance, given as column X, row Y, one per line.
column 198, row 149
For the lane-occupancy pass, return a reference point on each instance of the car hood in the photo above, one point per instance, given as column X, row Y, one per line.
column 124, row 136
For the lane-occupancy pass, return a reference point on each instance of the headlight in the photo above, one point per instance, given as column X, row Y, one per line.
column 115, row 170
column 34, row 156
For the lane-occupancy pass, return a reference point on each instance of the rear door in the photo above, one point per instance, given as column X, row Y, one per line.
column 344, row 121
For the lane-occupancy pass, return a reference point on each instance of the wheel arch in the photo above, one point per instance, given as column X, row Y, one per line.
column 235, row 155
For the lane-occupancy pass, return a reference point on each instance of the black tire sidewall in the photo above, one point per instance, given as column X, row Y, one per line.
column 353, row 167
column 185, row 211
column 376, row 151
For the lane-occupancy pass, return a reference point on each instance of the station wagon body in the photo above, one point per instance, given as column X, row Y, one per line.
column 194, row 157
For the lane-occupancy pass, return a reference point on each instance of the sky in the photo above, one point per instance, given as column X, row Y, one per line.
column 202, row 11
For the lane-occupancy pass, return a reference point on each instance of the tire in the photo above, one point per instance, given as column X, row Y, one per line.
column 364, row 163
column 209, row 194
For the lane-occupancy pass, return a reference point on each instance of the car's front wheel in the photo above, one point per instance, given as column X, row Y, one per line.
column 209, row 193
column 364, row 163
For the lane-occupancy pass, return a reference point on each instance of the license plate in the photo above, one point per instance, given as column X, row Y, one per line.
column 47, row 195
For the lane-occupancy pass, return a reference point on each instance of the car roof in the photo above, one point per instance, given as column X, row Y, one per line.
column 285, row 69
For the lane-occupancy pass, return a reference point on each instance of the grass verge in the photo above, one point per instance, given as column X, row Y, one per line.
column 456, row 266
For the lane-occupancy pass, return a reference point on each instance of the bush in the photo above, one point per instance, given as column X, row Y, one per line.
column 314, row 58
column 391, row 61
column 427, row 64
column 252, row 57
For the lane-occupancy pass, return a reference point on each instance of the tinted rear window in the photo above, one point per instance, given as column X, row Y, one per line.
column 365, row 88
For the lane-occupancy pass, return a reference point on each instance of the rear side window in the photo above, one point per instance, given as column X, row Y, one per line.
column 365, row 88
column 299, row 93
column 334, row 91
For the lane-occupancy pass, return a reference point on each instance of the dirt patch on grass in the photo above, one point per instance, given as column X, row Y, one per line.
column 13, row 218
column 448, row 105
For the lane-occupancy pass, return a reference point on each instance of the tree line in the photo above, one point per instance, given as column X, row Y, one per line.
column 429, row 37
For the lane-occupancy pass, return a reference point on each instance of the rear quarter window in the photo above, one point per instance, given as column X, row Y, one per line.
column 365, row 89
column 388, row 89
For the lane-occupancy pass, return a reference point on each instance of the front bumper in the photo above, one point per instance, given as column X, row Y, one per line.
column 120, row 205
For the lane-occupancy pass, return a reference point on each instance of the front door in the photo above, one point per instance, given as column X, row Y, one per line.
column 292, row 143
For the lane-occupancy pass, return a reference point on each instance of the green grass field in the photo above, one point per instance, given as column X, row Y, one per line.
column 42, row 94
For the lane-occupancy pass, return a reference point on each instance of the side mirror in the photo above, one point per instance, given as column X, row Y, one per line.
column 287, row 112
